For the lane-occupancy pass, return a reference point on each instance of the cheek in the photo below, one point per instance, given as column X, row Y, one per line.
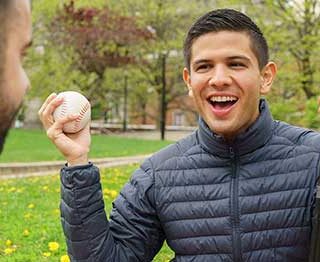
column 198, row 82
column 16, row 82
column 250, row 85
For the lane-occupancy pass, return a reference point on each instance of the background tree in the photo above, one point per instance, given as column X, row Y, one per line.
column 169, row 21
column 100, row 39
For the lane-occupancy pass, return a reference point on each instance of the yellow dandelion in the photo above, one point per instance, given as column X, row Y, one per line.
column 8, row 243
column 45, row 188
column 53, row 246
column 46, row 254
column 26, row 233
column 64, row 258
column 31, row 206
column 9, row 250
column 56, row 211
column 12, row 189
column 27, row 215
column 113, row 193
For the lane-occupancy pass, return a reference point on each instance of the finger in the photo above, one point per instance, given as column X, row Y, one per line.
column 47, row 114
column 46, row 102
column 57, row 127
column 51, row 106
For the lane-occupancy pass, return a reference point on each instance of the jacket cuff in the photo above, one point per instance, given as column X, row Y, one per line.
column 79, row 176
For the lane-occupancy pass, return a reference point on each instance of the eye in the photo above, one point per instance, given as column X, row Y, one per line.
column 203, row 67
column 237, row 64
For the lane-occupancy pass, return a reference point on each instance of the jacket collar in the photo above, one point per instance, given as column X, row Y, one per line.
column 254, row 137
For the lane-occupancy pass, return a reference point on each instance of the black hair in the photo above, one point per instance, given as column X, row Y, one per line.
column 227, row 20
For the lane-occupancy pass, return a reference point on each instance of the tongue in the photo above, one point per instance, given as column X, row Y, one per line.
column 222, row 105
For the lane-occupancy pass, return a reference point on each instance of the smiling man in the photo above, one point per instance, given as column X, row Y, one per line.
column 15, row 38
column 240, row 188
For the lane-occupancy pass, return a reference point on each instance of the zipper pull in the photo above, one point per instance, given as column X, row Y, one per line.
column 231, row 152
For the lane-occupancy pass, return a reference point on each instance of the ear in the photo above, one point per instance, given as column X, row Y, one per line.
column 187, row 80
column 268, row 74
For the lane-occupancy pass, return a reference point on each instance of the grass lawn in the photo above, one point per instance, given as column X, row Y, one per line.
column 30, row 227
column 33, row 145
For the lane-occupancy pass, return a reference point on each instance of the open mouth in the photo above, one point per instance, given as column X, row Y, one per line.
column 222, row 102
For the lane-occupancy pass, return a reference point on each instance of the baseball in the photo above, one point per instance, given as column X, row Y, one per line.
column 73, row 103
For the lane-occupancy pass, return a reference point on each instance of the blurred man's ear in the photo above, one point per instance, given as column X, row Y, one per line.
column 187, row 80
column 268, row 74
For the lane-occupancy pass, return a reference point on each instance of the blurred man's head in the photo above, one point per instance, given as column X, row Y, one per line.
column 15, row 38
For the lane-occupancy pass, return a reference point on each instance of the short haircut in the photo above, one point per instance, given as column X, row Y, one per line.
column 227, row 20
column 5, row 5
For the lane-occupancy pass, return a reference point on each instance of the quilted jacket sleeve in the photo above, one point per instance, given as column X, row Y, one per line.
column 133, row 233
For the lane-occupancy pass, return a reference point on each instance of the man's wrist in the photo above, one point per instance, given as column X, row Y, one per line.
column 83, row 160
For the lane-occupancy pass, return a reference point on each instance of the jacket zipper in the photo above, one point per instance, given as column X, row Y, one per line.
column 235, row 215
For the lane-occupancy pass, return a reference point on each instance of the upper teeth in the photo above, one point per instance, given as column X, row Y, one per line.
column 223, row 98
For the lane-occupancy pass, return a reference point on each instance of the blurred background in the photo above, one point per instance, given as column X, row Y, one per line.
column 126, row 57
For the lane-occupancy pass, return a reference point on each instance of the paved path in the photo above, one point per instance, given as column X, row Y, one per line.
column 18, row 170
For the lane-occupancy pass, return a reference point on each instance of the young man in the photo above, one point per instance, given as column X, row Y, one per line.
column 241, row 188
column 15, row 38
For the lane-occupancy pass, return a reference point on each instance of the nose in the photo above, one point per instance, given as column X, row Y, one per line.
column 220, row 77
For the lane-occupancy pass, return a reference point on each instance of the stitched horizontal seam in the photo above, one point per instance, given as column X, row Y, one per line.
column 192, row 185
column 193, row 168
column 192, row 237
column 270, row 229
column 223, row 166
column 273, row 247
column 87, row 239
column 272, row 192
column 281, row 159
column 277, row 174
column 193, row 201
column 66, row 188
column 272, row 210
column 85, row 187
column 193, row 219
column 272, row 159
column 202, row 254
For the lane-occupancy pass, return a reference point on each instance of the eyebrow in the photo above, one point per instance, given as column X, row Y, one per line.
column 239, row 57
column 200, row 61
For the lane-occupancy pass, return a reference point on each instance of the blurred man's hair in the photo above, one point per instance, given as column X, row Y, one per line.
column 227, row 20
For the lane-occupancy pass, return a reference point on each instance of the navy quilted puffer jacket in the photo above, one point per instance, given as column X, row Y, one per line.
column 212, row 201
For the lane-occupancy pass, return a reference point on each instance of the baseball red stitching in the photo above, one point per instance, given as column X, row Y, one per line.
column 82, row 112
